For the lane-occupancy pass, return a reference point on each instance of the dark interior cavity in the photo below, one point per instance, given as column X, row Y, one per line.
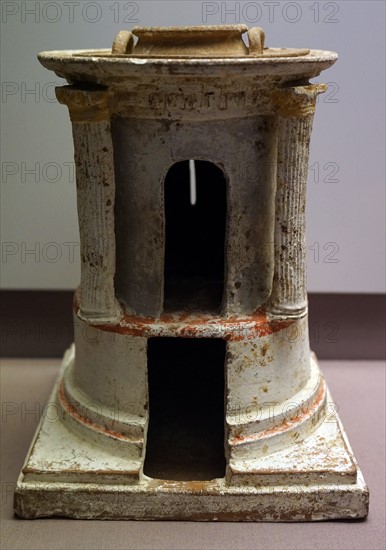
column 194, row 238
column 185, row 439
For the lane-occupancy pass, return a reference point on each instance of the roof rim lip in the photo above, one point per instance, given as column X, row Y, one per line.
column 86, row 57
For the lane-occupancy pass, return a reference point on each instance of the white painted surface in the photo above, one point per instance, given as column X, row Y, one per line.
column 345, row 218
column 44, row 485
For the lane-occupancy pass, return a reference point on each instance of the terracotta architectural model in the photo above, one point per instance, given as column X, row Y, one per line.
column 191, row 392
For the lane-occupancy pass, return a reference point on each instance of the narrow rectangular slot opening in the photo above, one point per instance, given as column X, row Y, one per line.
column 185, row 439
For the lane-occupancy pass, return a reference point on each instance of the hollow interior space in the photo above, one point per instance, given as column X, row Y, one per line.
column 195, row 223
column 185, row 439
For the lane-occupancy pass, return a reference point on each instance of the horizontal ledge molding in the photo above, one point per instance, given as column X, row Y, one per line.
column 342, row 326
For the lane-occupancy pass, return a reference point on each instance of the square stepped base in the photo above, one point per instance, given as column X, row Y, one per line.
column 67, row 476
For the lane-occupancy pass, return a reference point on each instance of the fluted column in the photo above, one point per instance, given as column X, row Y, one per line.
column 95, row 183
column 295, row 108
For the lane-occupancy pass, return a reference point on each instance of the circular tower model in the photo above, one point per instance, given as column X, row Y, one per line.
column 191, row 392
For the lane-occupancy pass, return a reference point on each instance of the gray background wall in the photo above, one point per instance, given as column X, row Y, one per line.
column 346, row 178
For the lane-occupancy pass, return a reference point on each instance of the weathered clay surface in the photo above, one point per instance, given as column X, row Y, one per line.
column 70, row 475
column 178, row 94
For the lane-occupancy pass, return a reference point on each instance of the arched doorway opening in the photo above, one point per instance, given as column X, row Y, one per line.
column 195, row 223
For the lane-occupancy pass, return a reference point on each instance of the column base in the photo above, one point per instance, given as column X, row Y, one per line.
column 69, row 476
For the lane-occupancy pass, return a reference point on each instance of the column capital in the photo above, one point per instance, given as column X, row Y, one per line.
column 84, row 105
column 297, row 101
